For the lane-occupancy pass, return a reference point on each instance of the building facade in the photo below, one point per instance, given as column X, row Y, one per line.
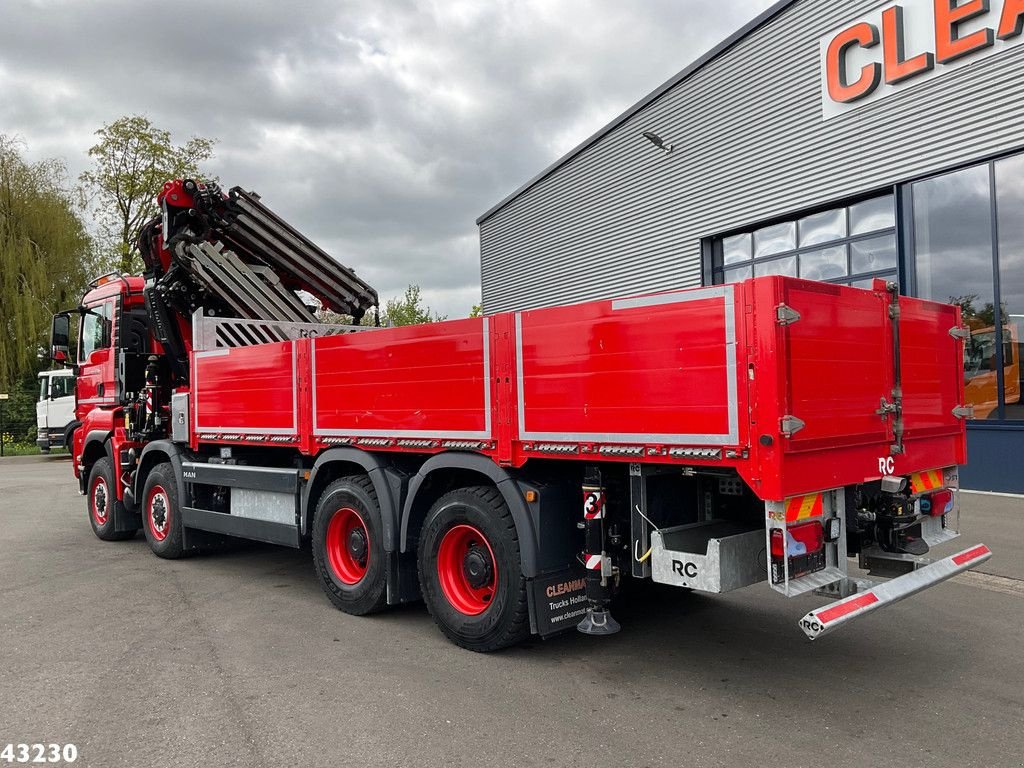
column 834, row 141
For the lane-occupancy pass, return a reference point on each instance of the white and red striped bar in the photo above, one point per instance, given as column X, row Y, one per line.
column 823, row 620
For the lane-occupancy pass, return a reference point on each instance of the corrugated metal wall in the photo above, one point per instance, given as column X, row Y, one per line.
column 751, row 145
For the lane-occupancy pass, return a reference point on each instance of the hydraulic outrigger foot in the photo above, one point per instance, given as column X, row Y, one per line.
column 600, row 571
column 598, row 622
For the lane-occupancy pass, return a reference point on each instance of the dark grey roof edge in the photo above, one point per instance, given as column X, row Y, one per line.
column 763, row 18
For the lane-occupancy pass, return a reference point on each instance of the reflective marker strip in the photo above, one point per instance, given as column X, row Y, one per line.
column 971, row 554
column 593, row 562
column 804, row 507
column 847, row 606
column 925, row 481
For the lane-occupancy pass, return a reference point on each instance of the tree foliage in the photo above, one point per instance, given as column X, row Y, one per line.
column 476, row 311
column 408, row 309
column 131, row 161
column 44, row 248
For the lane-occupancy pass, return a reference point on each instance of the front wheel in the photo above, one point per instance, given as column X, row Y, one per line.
column 101, row 500
column 161, row 515
column 470, row 572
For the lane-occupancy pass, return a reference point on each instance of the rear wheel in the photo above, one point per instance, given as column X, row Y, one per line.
column 161, row 516
column 470, row 572
column 348, row 546
column 101, row 500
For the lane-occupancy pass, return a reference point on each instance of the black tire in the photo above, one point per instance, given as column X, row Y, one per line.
column 462, row 517
column 161, row 514
column 348, row 546
column 100, row 500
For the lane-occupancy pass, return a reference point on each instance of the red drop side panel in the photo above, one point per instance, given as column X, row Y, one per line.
column 422, row 381
column 247, row 390
column 649, row 369
column 839, row 364
column 932, row 360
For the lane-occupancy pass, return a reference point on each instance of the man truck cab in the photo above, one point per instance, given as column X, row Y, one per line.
column 55, row 409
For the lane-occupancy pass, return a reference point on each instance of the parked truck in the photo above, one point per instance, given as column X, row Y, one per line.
column 514, row 470
column 55, row 410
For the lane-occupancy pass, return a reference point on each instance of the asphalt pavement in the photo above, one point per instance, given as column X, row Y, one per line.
column 236, row 658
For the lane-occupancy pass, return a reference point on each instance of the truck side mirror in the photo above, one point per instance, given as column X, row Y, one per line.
column 60, row 335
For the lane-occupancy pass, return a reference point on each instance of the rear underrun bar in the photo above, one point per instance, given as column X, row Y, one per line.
column 822, row 621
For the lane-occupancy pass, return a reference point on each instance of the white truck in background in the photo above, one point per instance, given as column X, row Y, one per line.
column 55, row 409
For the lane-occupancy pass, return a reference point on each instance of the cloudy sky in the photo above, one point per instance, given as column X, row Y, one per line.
column 381, row 128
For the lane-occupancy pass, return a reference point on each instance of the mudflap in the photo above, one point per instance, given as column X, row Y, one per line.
column 557, row 601
column 125, row 521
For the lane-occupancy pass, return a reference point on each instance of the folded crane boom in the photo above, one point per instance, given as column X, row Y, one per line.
column 232, row 256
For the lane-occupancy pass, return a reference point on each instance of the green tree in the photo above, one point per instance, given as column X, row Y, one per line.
column 131, row 161
column 44, row 248
column 476, row 311
column 408, row 310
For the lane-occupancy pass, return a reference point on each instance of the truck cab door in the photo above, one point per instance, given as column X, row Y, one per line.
column 96, row 359
column 42, row 405
column 60, row 405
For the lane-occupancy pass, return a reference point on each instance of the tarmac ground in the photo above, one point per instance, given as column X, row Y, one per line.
column 236, row 658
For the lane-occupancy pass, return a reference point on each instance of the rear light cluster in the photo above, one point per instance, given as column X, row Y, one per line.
column 804, row 545
column 937, row 504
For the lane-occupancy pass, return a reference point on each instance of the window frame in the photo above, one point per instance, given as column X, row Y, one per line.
column 906, row 190
column 104, row 312
column 714, row 268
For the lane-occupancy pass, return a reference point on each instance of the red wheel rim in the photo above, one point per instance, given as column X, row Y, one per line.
column 467, row 570
column 99, row 498
column 158, row 513
column 348, row 546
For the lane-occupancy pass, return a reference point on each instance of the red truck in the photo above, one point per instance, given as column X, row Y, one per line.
column 513, row 470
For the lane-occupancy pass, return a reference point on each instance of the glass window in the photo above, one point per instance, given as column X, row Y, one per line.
column 736, row 248
column 777, row 238
column 736, row 274
column 769, row 250
column 873, row 215
column 95, row 330
column 953, row 242
column 824, row 264
column 953, row 247
column 1009, row 204
column 62, row 386
column 783, row 266
column 823, row 227
column 42, row 388
column 873, row 255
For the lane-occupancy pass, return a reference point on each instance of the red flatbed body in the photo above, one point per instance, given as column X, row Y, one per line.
column 711, row 376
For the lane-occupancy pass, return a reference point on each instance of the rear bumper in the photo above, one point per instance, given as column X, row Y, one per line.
column 829, row 618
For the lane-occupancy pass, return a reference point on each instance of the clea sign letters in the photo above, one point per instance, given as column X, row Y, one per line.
column 899, row 45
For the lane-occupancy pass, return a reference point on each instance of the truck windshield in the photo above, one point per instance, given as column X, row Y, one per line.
column 95, row 330
column 42, row 387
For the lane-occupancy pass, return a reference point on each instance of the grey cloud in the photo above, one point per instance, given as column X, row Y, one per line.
column 381, row 129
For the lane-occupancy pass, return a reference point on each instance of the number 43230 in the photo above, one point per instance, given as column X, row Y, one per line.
column 39, row 753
